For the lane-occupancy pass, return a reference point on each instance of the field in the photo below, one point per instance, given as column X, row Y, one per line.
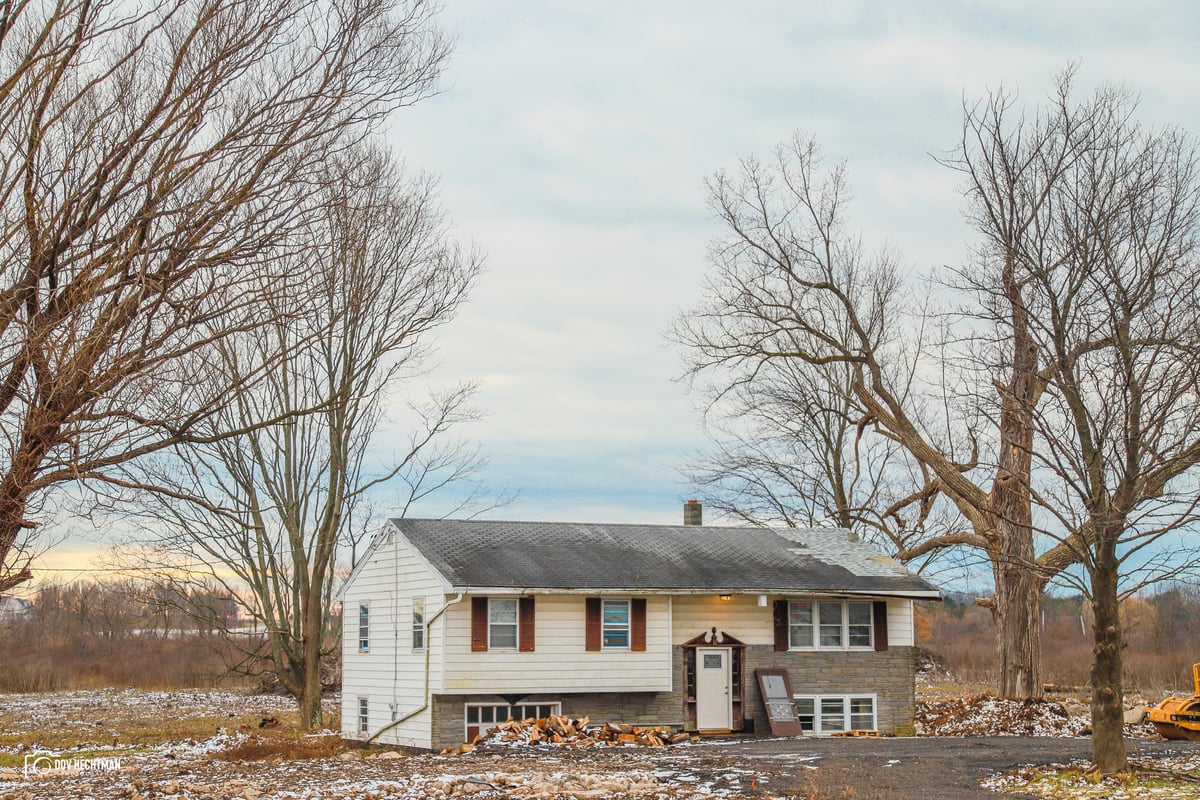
column 211, row 745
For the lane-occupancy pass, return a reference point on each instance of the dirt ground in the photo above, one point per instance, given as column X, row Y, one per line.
column 863, row 769
column 157, row 761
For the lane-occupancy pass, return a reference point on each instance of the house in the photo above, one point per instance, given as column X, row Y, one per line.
column 451, row 626
column 15, row 609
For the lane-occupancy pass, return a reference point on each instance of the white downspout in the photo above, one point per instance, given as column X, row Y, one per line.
column 428, row 648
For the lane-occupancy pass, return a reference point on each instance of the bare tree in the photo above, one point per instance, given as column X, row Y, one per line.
column 1112, row 272
column 151, row 157
column 1076, row 353
column 790, row 448
column 790, row 283
column 277, row 500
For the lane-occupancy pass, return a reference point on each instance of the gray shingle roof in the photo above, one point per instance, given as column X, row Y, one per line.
column 570, row 555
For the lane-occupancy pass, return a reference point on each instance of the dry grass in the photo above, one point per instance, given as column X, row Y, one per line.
column 132, row 726
column 54, row 663
column 285, row 746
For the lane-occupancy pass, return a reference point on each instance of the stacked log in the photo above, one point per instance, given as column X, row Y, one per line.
column 572, row 733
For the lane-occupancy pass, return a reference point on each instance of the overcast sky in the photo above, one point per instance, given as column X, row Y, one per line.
column 572, row 143
column 573, row 139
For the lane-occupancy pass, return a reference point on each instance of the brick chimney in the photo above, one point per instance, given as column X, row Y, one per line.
column 693, row 513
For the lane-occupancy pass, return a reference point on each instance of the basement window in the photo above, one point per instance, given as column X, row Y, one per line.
column 829, row 714
column 482, row 716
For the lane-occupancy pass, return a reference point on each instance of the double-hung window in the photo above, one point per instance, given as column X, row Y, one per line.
column 364, row 627
column 502, row 624
column 364, row 715
column 615, row 625
column 830, row 625
column 418, row 623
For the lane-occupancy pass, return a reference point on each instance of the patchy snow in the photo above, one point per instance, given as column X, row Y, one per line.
column 1073, row 782
column 984, row 715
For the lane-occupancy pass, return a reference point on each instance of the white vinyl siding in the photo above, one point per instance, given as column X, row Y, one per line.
column 561, row 662
column 744, row 618
column 740, row 616
column 900, row 623
column 391, row 674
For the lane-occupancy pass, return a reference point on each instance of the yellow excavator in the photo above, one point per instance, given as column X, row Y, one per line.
column 1179, row 717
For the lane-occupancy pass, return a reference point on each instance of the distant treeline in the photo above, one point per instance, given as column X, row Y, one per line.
column 1160, row 645
column 90, row 634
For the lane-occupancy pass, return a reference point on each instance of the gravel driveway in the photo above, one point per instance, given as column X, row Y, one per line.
column 916, row 768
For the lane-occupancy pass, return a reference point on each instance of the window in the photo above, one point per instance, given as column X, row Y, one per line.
column 364, row 628
column 502, row 624
column 482, row 716
column 826, row 625
column 858, row 624
column 833, row 714
column 828, row 714
column 830, row 615
column 363, row 717
column 615, row 624
column 800, row 624
column 418, row 623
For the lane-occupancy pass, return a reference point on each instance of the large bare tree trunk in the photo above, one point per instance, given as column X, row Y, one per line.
column 309, row 699
column 1016, row 612
column 1018, row 584
column 1108, row 723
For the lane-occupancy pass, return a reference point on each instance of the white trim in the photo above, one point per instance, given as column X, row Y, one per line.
column 642, row 591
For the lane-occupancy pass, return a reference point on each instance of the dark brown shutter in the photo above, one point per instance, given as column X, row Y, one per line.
column 479, row 624
column 525, row 624
column 781, row 625
column 879, row 613
column 592, row 623
column 637, row 624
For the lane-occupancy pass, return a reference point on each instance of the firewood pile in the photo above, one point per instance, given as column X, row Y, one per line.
column 571, row 733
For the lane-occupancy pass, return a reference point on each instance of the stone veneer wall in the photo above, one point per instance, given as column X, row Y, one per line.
column 889, row 675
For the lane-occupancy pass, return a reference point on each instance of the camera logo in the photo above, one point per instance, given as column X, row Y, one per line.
column 38, row 762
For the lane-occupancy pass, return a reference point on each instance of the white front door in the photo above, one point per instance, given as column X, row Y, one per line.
column 714, row 705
